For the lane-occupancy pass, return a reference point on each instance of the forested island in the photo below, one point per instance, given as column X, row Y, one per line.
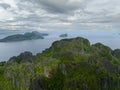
column 63, row 35
column 69, row 64
column 22, row 37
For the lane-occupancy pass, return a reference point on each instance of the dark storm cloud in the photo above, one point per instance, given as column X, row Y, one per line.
column 4, row 5
column 61, row 6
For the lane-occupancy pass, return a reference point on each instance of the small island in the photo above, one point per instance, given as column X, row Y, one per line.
column 22, row 37
column 64, row 35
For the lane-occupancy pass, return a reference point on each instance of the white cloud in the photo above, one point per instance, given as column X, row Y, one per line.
column 54, row 14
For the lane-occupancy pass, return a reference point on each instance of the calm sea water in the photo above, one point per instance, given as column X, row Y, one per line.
column 7, row 50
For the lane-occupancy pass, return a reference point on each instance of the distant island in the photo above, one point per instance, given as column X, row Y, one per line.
column 64, row 35
column 22, row 37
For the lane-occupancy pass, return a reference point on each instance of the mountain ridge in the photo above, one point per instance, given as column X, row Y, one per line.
column 69, row 64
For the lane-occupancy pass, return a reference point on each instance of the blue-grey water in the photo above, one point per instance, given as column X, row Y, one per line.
column 9, row 49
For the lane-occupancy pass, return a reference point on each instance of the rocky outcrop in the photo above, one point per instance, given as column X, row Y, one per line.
column 22, row 58
column 39, row 84
column 116, row 53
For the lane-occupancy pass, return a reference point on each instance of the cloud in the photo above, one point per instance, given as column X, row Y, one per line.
column 61, row 6
column 54, row 14
column 4, row 5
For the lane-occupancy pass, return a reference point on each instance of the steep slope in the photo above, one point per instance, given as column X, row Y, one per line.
column 69, row 64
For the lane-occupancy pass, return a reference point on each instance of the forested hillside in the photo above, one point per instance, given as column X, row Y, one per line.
column 69, row 64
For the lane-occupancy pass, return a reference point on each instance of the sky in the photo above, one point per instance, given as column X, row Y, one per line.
column 47, row 15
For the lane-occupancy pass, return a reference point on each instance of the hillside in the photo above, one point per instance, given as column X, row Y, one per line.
column 22, row 37
column 69, row 64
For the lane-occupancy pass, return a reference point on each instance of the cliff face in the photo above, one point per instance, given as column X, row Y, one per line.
column 69, row 64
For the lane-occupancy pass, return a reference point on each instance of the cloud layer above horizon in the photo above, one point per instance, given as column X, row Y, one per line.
column 58, row 14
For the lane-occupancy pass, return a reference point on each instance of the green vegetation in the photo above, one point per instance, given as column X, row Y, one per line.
column 69, row 64
column 21, row 37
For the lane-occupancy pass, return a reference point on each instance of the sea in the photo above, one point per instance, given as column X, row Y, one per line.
column 110, row 38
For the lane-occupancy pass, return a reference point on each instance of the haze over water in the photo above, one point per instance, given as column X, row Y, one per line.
column 9, row 49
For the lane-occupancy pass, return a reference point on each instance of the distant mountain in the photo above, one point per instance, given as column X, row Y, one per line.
column 21, row 37
column 69, row 64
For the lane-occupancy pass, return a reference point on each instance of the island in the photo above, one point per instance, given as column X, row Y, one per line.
column 26, row 36
column 63, row 35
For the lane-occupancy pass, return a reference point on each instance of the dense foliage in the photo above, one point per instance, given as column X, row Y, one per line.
column 69, row 64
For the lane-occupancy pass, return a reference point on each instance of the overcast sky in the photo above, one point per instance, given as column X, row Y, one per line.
column 58, row 14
